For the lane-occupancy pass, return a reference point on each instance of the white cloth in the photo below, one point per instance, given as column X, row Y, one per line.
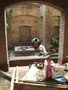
column 33, row 74
column 33, row 40
column 52, row 63
column 42, row 50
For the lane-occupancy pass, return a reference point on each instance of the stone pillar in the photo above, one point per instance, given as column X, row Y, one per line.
column 3, row 42
column 44, row 25
column 61, row 38
column 42, row 13
column 63, row 42
column 65, row 49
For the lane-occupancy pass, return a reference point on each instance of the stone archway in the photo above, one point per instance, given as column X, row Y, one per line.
column 3, row 45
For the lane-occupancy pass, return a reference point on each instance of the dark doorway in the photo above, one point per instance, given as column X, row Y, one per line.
column 25, row 35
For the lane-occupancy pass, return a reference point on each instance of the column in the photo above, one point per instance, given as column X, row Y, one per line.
column 3, row 43
column 65, row 49
column 63, row 42
column 61, row 38
column 42, row 12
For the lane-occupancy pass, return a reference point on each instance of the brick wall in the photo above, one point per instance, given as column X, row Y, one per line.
column 24, row 17
column 31, row 17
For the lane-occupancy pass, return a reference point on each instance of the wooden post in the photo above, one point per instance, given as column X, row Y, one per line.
column 12, row 81
column 16, row 74
column 6, row 75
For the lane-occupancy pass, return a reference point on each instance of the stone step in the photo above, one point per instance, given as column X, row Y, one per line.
column 54, row 54
column 55, row 59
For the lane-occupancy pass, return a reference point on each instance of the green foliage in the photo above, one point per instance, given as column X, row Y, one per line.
column 8, row 15
column 54, row 43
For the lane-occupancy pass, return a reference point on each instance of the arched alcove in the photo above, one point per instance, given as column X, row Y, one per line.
column 61, row 6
